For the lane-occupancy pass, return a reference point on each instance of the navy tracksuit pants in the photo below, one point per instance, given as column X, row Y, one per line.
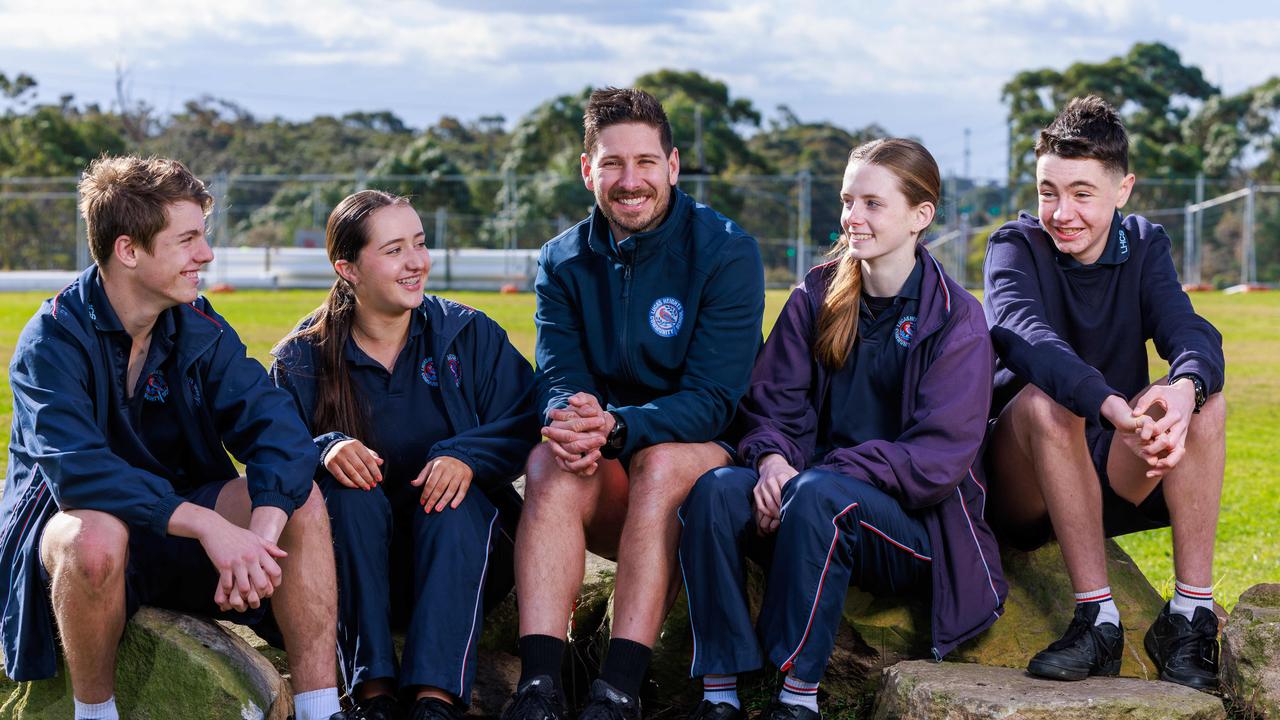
column 836, row 531
column 398, row 565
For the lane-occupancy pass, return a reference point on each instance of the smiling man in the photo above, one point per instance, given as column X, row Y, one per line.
column 1085, row 447
column 648, row 321
column 126, row 388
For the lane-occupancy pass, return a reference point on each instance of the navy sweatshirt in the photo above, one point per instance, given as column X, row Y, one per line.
column 1079, row 332
column 663, row 329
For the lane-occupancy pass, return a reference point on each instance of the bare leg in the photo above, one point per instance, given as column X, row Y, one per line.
column 305, row 604
column 661, row 477
column 85, row 552
column 1038, row 439
column 562, row 512
column 1191, row 490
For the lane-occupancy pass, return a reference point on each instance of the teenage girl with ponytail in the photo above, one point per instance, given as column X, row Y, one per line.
column 421, row 410
column 863, row 424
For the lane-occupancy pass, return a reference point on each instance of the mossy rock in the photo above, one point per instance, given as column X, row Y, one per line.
column 169, row 665
column 1251, row 653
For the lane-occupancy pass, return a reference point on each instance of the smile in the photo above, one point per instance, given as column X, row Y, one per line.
column 632, row 201
column 860, row 237
column 409, row 282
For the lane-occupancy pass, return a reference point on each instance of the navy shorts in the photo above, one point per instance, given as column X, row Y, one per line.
column 175, row 573
column 1119, row 516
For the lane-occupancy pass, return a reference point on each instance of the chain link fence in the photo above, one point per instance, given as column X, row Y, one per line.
column 1217, row 242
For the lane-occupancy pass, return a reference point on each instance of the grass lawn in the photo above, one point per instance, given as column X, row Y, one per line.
column 1247, row 551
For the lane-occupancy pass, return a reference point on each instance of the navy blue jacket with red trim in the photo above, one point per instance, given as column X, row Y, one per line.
column 933, row 469
column 662, row 329
column 60, row 458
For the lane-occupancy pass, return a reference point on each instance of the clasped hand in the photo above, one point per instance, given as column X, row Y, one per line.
column 577, row 432
column 1155, row 428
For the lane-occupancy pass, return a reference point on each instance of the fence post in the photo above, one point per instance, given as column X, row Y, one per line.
column 362, row 180
column 1248, row 258
column 221, row 181
column 1199, row 220
column 442, row 244
column 804, row 192
column 82, row 236
column 1189, row 274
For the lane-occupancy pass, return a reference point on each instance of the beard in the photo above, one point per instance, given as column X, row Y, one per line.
column 661, row 202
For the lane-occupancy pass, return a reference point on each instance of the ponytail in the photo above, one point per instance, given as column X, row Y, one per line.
column 838, row 319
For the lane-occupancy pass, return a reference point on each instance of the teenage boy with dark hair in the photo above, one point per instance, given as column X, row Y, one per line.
column 119, row 493
column 1084, row 448
column 649, row 316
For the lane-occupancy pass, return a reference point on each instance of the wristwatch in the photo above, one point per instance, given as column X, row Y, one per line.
column 617, row 438
column 1199, row 385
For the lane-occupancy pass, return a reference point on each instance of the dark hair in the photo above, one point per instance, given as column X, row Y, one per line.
column 129, row 196
column 920, row 181
column 611, row 106
column 345, row 235
column 1087, row 128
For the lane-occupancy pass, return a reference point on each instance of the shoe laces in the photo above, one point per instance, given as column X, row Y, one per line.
column 1195, row 648
column 532, row 702
column 602, row 708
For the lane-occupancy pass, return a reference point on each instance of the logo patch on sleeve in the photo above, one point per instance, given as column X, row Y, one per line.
column 156, row 389
column 905, row 330
column 666, row 316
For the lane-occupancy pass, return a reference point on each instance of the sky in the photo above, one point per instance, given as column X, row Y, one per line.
column 929, row 69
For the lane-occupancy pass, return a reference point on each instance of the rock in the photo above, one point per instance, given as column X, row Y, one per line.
column 170, row 665
column 1251, row 653
column 916, row 690
column 879, row 632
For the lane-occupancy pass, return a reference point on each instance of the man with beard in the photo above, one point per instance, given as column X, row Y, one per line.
column 648, row 321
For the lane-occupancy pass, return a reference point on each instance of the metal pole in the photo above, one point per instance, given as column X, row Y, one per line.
column 362, row 180
column 222, row 181
column 1197, row 267
column 442, row 225
column 700, row 192
column 1248, row 260
column 804, row 191
column 82, row 236
column 1189, row 247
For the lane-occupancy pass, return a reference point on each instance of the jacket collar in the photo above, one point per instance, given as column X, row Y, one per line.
column 634, row 248
column 935, row 294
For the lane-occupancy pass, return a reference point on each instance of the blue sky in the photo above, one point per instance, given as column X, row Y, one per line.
column 928, row 69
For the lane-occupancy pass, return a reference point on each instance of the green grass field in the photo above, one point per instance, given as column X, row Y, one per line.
column 1247, row 550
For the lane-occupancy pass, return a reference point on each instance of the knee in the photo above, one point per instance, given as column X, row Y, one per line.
column 1034, row 410
column 659, row 477
column 715, row 494
column 546, row 484
column 89, row 548
column 1211, row 422
column 811, row 498
column 311, row 516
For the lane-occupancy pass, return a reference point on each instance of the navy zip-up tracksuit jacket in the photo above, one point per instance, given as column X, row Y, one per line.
column 60, row 459
column 489, row 410
column 663, row 329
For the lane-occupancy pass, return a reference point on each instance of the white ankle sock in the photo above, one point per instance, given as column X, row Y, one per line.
column 798, row 692
column 1107, row 610
column 97, row 711
column 1186, row 598
column 721, row 689
column 316, row 704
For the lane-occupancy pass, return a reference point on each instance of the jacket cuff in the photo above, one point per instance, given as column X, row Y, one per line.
column 272, row 498
column 325, row 443
column 1196, row 366
column 163, row 511
column 1090, row 393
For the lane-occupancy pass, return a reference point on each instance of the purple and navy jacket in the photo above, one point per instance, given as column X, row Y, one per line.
column 933, row 468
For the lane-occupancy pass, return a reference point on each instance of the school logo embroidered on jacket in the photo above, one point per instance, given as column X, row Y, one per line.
column 156, row 389
column 431, row 377
column 905, row 330
column 666, row 316
column 428, row 372
column 196, row 398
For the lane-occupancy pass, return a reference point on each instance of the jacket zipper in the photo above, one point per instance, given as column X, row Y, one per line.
column 624, row 353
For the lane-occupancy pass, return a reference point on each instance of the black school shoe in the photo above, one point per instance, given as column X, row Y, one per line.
column 609, row 703
column 708, row 710
column 1085, row 649
column 779, row 710
column 429, row 708
column 537, row 698
column 379, row 707
column 1185, row 651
